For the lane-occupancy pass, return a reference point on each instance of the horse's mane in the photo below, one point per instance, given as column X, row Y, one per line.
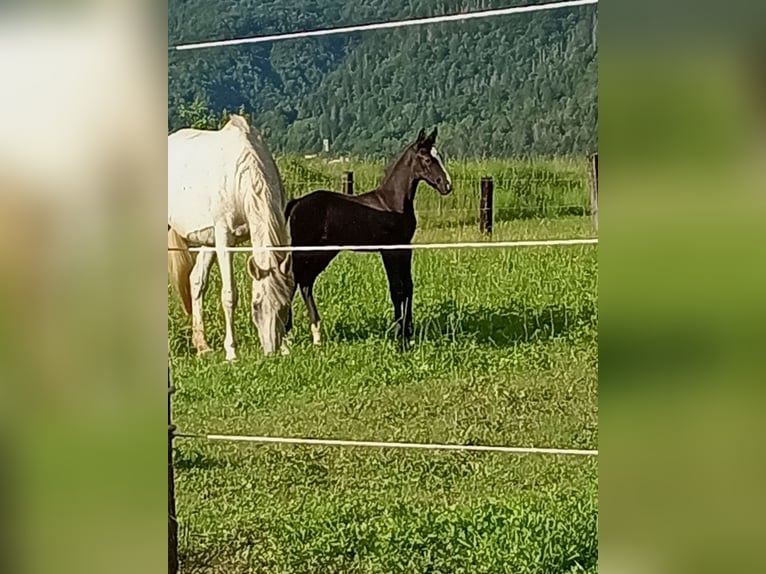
column 391, row 164
column 260, row 186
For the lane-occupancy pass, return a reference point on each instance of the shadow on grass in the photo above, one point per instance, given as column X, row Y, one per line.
column 498, row 326
column 186, row 459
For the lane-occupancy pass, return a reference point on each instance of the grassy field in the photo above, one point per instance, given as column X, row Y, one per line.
column 506, row 354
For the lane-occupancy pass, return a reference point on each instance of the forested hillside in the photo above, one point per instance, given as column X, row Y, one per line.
column 516, row 85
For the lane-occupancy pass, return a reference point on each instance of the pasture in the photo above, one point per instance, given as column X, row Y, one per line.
column 505, row 353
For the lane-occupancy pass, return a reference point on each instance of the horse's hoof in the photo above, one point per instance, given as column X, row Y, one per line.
column 203, row 351
column 405, row 343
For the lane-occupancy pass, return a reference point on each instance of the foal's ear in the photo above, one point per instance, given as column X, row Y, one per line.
column 421, row 136
column 255, row 272
column 431, row 139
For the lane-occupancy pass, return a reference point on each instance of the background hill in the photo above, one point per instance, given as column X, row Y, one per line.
column 523, row 85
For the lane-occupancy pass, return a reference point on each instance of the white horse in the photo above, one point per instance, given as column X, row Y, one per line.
column 223, row 188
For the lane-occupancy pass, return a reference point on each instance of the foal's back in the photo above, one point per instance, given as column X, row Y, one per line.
column 330, row 218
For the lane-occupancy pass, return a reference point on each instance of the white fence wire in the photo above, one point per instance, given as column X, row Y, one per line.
column 397, row 247
column 383, row 25
column 391, row 445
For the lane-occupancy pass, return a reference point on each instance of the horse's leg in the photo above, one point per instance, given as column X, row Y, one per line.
column 289, row 323
column 407, row 288
column 308, row 297
column 198, row 278
column 287, row 339
column 228, row 289
column 398, row 265
column 307, row 268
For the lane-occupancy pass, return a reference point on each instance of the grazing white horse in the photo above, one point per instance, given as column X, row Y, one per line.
column 223, row 188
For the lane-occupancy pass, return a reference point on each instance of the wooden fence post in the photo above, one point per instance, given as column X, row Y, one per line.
column 594, row 189
column 172, row 522
column 485, row 207
column 348, row 182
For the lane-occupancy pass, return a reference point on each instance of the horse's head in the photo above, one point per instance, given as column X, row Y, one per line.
column 428, row 163
column 272, row 298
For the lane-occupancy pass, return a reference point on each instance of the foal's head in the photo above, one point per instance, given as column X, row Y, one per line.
column 428, row 165
column 272, row 298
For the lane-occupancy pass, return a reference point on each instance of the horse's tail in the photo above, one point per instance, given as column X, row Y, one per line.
column 289, row 209
column 180, row 264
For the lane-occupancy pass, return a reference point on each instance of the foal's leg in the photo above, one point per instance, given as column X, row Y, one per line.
column 398, row 266
column 407, row 288
column 228, row 290
column 308, row 297
column 198, row 278
column 307, row 267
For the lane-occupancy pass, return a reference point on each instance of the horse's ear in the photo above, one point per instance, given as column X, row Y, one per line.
column 421, row 136
column 431, row 139
column 255, row 272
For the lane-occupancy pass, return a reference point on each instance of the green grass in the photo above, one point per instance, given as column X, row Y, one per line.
column 505, row 353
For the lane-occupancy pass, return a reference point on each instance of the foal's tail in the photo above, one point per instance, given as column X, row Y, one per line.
column 180, row 263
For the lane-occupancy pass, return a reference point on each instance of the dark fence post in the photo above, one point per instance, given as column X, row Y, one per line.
column 348, row 182
column 594, row 189
column 172, row 522
column 485, row 208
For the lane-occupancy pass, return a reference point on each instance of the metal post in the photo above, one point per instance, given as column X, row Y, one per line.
column 594, row 189
column 348, row 182
column 172, row 522
column 485, row 208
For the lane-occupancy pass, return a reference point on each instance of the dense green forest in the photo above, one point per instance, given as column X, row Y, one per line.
column 520, row 85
